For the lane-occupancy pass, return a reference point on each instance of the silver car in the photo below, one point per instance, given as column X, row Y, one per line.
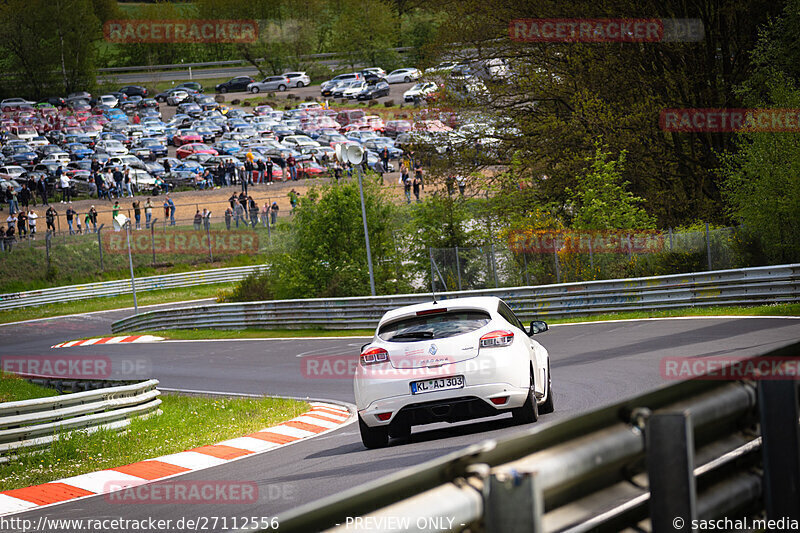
column 273, row 83
column 298, row 79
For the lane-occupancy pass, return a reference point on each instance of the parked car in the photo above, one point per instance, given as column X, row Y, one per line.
column 403, row 75
column 396, row 127
column 298, row 79
column 239, row 83
column 352, row 76
column 182, row 137
column 192, row 86
column 374, row 90
column 272, row 83
column 420, row 91
column 194, row 148
column 353, row 90
column 455, row 360
column 134, row 90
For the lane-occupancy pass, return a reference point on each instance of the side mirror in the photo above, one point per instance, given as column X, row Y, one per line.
column 537, row 326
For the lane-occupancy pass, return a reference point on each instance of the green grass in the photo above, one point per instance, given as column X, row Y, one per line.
column 187, row 422
column 254, row 333
column 115, row 302
column 14, row 388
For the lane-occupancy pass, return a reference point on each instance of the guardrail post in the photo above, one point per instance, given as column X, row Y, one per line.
column 780, row 433
column 670, row 464
column 514, row 504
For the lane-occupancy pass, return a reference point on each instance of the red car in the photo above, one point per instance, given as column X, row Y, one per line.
column 310, row 169
column 396, row 127
column 194, row 148
column 185, row 137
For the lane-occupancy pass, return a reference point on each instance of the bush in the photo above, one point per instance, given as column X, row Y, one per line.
column 235, row 101
column 372, row 103
column 246, row 103
column 389, row 103
column 310, row 98
column 255, row 287
column 219, row 98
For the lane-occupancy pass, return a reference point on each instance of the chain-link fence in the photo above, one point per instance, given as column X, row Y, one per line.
column 561, row 257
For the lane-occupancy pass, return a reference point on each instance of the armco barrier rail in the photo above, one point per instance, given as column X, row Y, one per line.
column 749, row 286
column 35, row 423
column 695, row 450
column 120, row 287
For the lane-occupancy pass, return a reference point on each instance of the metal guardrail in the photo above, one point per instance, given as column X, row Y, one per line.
column 120, row 287
column 35, row 423
column 233, row 62
column 702, row 449
column 749, row 286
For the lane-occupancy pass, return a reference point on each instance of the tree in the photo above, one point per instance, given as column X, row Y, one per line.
column 327, row 254
column 365, row 30
column 49, row 47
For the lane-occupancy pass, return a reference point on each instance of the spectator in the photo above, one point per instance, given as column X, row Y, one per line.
column 291, row 162
column 238, row 212
column 100, row 182
column 228, row 214
column 87, row 220
column 12, row 220
column 253, row 211
column 248, row 168
column 171, row 211
column 93, row 218
column 282, row 163
column 418, row 175
column 148, row 212
column 261, row 168
column 337, row 171
column 407, row 187
column 379, row 170
column 92, row 186
column 11, row 197
column 274, row 213
column 118, row 178
column 42, row 186
column 70, row 215
column 232, row 200
column 137, row 213
column 269, row 165
column 385, row 157
column 50, row 217
column 462, row 184
column 22, row 223
column 243, row 199
column 66, row 191
column 79, row 228
column 294, row 197
column 198, row 221
column 32, row 217
column 416, row 186
column 9, row 239
column 206, row 219
column 265, row 214
column 127, row 182
column 166, row 167
column 24, row 197
column 115, row 210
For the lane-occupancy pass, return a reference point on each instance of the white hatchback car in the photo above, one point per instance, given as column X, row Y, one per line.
column 450, row 361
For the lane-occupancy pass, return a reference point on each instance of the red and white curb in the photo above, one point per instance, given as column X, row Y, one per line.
column 322, row 418
column 109, row 340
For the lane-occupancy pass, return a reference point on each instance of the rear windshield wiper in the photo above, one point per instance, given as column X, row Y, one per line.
column 414, row 335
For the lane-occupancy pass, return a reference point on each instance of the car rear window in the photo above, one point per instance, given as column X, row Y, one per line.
column 433, row 326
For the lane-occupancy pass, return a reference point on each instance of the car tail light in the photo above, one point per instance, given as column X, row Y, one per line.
column 500, row 401
column 497, row 338
column 383, row 417
column 374, row 356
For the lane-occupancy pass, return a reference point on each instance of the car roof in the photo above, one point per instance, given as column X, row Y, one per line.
column 487, row 303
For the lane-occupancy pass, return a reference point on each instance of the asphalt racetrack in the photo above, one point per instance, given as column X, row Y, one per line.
column 592, row 364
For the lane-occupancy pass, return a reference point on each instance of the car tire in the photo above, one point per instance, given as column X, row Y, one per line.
column 223, row 90
column 281, row 88
column 529, row 412
column 407, row 79
column 373, row 438
column 400, row 431
column 300, row 85
column 548, row 406
column 254, row 90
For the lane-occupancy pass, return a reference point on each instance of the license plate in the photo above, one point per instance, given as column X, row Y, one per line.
column 432, row 385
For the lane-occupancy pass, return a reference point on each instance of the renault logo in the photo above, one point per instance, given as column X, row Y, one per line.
column 432, row 350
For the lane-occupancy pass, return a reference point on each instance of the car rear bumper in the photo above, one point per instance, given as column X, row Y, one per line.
column 445, row 406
